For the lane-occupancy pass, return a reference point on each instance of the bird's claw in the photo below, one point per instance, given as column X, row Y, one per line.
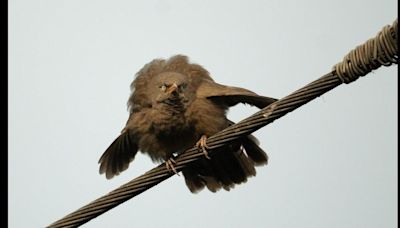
column 202, row 144
column 170, row 165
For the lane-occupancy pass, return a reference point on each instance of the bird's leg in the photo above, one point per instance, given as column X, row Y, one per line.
column 170, row 165
column 202, row 144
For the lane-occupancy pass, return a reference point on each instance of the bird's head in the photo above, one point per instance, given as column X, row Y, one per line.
column 170, row 88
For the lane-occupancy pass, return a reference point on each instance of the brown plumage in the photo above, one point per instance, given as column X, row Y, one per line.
column 173, row 104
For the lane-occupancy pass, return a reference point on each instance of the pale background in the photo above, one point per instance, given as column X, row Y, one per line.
column 333, row 162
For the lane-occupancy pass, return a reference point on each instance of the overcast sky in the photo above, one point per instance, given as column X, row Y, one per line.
column 333, row 162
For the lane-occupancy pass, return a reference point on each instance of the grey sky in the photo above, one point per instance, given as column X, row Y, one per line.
column 333, row 162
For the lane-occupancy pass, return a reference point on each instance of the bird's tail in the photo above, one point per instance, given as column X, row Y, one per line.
column 232, row 165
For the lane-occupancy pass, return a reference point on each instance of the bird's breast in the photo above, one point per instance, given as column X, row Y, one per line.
column 169, row 132
column 169, row 120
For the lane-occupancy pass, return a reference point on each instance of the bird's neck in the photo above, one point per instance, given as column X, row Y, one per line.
column 169, row 116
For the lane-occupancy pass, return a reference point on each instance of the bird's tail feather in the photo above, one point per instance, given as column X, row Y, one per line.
column 257, row 155
column 232, row 165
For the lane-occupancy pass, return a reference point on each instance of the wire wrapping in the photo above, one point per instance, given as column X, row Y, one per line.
column 382, row 50
column 378, row 51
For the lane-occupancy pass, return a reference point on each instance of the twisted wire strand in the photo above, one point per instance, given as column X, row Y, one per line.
column 381, row 50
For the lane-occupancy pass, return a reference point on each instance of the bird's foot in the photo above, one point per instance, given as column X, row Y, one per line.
column 202, row 144
column 170, row 164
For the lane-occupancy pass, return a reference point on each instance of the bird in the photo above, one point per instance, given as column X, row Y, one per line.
column 175, row 105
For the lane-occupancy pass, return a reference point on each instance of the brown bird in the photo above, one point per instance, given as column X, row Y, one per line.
column 175, row 105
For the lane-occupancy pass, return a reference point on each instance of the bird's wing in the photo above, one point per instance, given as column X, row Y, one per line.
column 230, row 96
column 119, row 154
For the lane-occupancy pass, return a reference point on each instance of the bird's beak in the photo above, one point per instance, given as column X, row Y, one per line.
column 172, row 88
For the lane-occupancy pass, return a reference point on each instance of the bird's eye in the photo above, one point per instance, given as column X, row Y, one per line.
column 163, row 87
column 182, row 86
